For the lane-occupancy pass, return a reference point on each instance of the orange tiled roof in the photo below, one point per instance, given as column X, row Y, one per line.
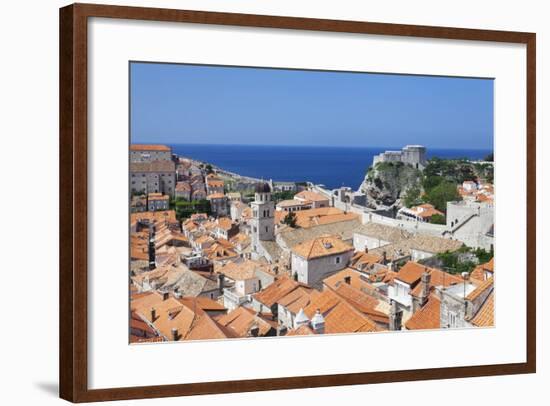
column 276, row 291
column 427, row 317
column 242, row 270
column 225, row 223
column 356, row 280
column 321, row 247
column 362, row 302
column 171, row 313
column 438, row 278
column 298, row 299
column 215, row 183
column 303, row 330
column 149, row 147
column 479, row 271
column 311, row 196
column 485, row 317
column 316, row 217
column 242, row 320
column 215, row 196
column 411, row 272
column 488, row 284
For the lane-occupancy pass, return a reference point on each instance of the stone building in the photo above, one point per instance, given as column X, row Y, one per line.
column 153, row 177
column 414, row 155
column 314, row 260
column 157, row 201
column 183, row 190
column 150, row 153
column 472, row 223
column 263, row 219
column 218, row 204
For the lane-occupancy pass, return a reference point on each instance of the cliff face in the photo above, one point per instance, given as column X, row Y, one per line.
column 389, row 181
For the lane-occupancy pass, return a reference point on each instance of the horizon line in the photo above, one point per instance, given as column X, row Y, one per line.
column 309, row 146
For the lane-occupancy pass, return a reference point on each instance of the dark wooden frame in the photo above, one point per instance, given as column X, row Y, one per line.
column 73, row 201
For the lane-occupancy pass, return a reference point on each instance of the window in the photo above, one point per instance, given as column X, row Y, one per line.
column 338, row 259
column 266, row 229
column 452, row 319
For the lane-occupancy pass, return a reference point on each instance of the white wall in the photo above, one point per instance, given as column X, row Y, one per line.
column 29, row 83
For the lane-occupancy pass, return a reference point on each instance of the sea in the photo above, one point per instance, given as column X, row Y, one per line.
column 330, row 166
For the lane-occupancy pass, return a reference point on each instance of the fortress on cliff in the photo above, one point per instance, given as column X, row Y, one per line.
column 414, row 155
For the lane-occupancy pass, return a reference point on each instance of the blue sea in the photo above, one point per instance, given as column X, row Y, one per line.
column 331, row 166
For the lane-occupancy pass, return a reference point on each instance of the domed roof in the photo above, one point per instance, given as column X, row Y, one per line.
column 263, row 187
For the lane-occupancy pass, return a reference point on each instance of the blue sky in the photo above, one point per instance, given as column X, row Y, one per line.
column 190, row 104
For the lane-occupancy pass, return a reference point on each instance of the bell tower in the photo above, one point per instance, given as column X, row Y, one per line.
column 263, row 216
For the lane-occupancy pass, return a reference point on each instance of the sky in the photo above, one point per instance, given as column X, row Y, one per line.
column 194, row 104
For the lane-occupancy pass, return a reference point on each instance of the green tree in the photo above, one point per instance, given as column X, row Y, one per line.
column 412, row 197
column 185, row 209
column 290, row 220
column 438, row 219
column 441, row 194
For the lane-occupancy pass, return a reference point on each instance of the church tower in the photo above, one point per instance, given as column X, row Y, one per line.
column 263, row 216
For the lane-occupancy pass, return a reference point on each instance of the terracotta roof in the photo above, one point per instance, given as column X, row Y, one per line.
column 292, row 203
column 437, row 278
column 149, row 147
column 242, row 320
column 485, row 316
column 321, row 247
column 324, row 302
column 242, row 270
column 488, row 284
column 361, row 259
column 276, row 291
column 216, row 196
column 344, row 229
column 225, row 223
column 479, row 271
column 183, row 187
column 316, row 217
column 411, row 272
column 311, row 196
column 214, row 183
column 303, row 330
column 425, row 210
column 155, row 216
column 298, row 299
column 157, row 196
column 201, row 302
column 171, row 314
column 427, row 317
column 362, row 302
column 357, row 280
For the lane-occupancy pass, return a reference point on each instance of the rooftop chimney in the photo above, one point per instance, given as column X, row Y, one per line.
column 175, row 336
column 165, row 295
column 153, row 314
column 425, row 281
column 318, row 322
column 347, row 279
column 384, row 258
column 366, row 249
column 221, row 282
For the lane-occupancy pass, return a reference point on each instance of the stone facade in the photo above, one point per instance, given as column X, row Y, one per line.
column 263, row 219
column 313, row 271
column 153, row 177
column 150, row 153
column 471, row 223
column 414, row 155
